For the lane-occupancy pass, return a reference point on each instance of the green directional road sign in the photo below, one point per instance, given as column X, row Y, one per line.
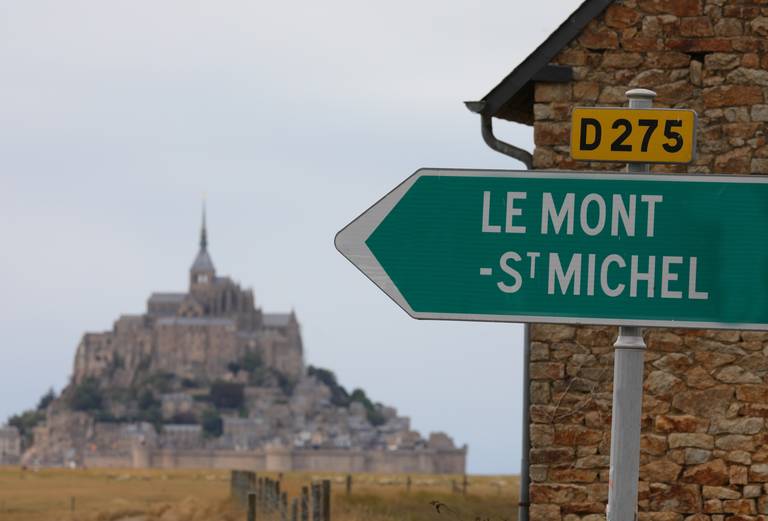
column 590, row 248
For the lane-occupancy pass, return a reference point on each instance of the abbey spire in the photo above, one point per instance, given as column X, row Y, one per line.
column 202, row 271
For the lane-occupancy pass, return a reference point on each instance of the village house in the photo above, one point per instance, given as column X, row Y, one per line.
column 704, row 445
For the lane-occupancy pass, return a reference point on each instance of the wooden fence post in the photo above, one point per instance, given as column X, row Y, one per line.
column 276, row 498
column 464, row 485
column 349, row 484
column 408, row 484
column 251, row 506
column 304, row 504
column 326, row 500
column 316, row 502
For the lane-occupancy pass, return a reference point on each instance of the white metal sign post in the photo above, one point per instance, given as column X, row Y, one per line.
column 627, row 392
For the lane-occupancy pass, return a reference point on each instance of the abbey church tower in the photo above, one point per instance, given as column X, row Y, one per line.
column 202, row 273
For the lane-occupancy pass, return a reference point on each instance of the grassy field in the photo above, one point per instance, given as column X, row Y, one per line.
column 202, row 495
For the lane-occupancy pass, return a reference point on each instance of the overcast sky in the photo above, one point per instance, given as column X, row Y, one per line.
column 293, row 117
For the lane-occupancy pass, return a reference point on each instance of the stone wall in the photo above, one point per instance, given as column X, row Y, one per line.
column 427, row 461
column 706, row 55
column 10, row 445
column 704, row 454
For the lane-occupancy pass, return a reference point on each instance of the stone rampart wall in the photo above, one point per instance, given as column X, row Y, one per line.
column 285, row 460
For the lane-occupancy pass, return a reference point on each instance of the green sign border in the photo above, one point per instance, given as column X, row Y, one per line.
column 351, row 243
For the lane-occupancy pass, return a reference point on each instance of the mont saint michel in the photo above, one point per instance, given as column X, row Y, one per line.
column 205, row 378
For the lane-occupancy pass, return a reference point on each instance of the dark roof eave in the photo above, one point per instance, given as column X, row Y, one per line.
column 494, row 103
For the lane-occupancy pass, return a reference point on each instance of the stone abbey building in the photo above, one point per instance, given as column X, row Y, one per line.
column 704, row 446
column 205, row 378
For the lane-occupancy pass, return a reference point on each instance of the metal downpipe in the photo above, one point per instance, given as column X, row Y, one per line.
column 525, row 157
column 507, row 149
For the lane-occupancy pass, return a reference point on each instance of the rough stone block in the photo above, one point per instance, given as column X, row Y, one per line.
column 596, row 37
column 667, row 60
column 733, row 95
column 739, row 506
column 621, row 60
column 719, row 60
column 593, row 462
column 759, row 25
column 546, row 370
column 736, row 426
column 758, row 473
column 680, row 423
column 709, row 492
column 729, row 27
column 660, row 383
column 551, row 455
column 674, row 498
column 697, row 456
column 653, row 444
column 712, row 473
column 674, row 7
column 559, row 494
column 661, row 470
column 540, row 392
column 572, row 435
column 572, row 475
column 539, row 351
column 745, row 76
column 741, row 457
column 689, row 439
column 541, row 435
column 759, row 166
column 696, row 26
column 734, row 374
column 620, row 17
column 712, row 506
column 552, row 332
column 738, row 475
column 715, row 44
column 545, row 512
column 547, row 92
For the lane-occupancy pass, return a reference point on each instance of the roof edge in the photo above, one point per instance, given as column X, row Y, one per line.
column 540, row 58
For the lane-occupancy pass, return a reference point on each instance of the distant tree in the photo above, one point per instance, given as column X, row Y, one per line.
column 190, row 383
column 26, row 422
column 372, row 411
column 227, row 395
column 185, row 418
column 339, row 395
column 250, row 362
column 46, row 400
column 147, row 400
column 212, row 424
column 233, row 367
column 152, row 415
column 86, row 396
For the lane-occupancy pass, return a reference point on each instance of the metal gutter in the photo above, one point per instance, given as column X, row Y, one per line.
column 486, row 128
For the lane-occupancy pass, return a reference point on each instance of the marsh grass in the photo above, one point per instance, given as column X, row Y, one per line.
column 202, row 495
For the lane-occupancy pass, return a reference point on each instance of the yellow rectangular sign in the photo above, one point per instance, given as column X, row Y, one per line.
column 633, row 135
